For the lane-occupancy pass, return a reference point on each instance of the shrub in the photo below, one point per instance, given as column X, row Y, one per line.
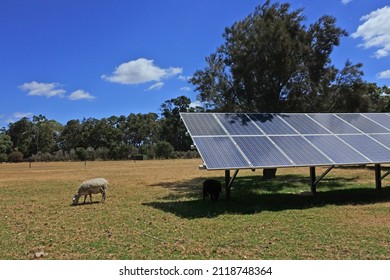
column 42, row 157
column 164, row 149
column 3, row 157
column 102, row 153
column 15, row 156
column 81, row 153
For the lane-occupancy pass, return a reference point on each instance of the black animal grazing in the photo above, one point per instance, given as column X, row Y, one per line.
column 212, row 187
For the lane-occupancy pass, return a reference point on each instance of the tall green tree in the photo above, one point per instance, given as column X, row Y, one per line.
column 45, row 134
column 5, row 146
column 141, row 129
column 172, row 129
column 71, row 136
column 21, row 137
column 271, row 62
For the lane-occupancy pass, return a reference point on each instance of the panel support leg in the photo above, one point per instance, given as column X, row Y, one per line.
column 378, row 178
column 313, row 183
column 229, row 182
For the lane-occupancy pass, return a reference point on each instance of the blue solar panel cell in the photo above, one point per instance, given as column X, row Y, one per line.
column 238, row 124
column 262, row 152
column 300, row 151
column 272, row 124
column 304, row 125
column 382, row 119
column 334, row 124
column 384, row 139
column 337, row 150
column 220, row 153
column 362, row 123
column 202, row 124
column 368, row 147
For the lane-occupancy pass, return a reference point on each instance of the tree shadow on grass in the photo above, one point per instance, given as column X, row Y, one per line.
column 251, row 195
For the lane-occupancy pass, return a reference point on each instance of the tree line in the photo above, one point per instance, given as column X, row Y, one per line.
column 134, row 136
column 270, row 62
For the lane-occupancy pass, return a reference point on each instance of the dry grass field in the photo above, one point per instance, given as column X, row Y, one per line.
column 154, row 210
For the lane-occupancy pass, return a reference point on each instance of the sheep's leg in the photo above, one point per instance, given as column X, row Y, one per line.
column 103, row 196
column 85, row 197
column 90, row 197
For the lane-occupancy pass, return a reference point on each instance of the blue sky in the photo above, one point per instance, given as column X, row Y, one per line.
column 70, row 59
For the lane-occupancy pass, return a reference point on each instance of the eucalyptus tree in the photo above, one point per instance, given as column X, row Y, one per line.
column 172, row 129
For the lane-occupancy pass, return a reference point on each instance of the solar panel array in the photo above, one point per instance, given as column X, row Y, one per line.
column 239, row 141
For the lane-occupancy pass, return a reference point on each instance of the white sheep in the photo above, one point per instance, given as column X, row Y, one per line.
column 97, row 185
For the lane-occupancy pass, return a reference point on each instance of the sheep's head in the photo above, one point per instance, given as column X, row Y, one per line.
column 76, row 199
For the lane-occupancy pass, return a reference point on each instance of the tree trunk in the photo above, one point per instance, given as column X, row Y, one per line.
column 269, row 173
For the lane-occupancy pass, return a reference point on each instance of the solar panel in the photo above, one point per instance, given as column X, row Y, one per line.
column 362, row 123
column 333, row 123
column 381, row 119
column 337, row 149
column 238, row 124
column 202, row 124
column 238, row 141
column 368, row 147
column 384, row 139
column 220, row 153
column 262, row 152
column 301, row 152
column 304, row 125
column 272, row 124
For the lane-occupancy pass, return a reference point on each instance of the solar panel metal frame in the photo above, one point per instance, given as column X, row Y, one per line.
column 261, row 126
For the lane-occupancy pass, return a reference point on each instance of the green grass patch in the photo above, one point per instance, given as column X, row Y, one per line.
column 155, row 210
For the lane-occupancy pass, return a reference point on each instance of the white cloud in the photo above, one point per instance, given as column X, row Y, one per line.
column 140, row 71
column 345, row 2
column 184, row 78
column 14, row 117
column 384, row 74
column 196, row 103
column 42, row 89
column 185, row 88
column 375, row 31
column 20, row 115
column 156, row 86
column 81, row 94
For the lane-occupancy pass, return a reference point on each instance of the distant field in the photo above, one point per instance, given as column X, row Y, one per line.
column 154, row 210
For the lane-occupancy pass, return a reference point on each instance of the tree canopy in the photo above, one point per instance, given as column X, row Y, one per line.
column 116, row 137
column 272, row 62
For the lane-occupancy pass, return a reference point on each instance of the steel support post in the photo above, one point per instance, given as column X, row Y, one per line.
column 378, row 179
column 227, row 184
column 313, row 182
